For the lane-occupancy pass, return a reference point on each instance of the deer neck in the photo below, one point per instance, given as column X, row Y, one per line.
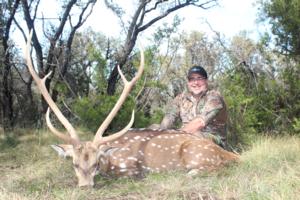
column 104, row 158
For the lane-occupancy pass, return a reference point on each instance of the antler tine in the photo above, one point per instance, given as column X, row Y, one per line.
column 59, row 134
column 127, row 87
column 118, row 134
column 41, row 86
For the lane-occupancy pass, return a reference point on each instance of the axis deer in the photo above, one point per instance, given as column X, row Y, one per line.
column 130, row 152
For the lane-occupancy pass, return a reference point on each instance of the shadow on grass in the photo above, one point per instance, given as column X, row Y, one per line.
column 9, row 141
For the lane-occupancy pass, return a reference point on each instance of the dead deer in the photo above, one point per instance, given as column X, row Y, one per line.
column 129, row 152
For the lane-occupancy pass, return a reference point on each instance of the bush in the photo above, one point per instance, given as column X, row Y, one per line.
column 93, row 110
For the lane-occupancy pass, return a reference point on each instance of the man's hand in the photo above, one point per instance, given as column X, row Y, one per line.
column 193, row 126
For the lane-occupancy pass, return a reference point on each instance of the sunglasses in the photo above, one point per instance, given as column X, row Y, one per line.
column 192, row 79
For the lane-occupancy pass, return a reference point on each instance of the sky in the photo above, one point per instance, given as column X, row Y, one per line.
column 229, row 18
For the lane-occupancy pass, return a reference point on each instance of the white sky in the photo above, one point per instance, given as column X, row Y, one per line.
column 229, row 18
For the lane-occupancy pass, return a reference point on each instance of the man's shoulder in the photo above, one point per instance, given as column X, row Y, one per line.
column 214, row 93
column 182, row 95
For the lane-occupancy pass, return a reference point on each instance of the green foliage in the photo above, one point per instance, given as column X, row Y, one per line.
column 290, row 96
column 242, row 115
column 93, row 110
column 296, row 125
column 284, row 17
column 257, row 103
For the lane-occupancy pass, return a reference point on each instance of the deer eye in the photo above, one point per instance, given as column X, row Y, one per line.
column 76, row 166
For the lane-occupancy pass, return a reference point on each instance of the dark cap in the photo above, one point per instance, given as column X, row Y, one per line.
column 198, row 70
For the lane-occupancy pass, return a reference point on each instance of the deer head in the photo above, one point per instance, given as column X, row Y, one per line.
column 85, row 154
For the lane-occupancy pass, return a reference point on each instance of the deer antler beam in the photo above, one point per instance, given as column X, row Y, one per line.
column 41, row 86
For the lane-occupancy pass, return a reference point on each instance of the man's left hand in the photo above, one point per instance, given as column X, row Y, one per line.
column 193, row 126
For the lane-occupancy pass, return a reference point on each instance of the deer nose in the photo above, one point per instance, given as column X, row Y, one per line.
column 86, row 184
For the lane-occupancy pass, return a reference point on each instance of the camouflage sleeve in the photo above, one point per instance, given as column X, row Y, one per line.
column 214, row 103
column 172, row 112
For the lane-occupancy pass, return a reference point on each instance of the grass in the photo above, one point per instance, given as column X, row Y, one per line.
column 269, row 169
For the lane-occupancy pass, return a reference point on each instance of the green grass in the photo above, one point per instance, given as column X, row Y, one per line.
column 30, row 169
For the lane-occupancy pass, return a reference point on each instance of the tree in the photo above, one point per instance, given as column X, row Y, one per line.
column 55, row 54
column 145, row 15
column 8, row 10
column 284, row 17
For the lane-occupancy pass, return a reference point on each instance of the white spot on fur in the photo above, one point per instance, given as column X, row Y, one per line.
column 166, row 148
column 122, row 165
column 137, row 137
column 116, row 142
column 194, row 162
column 132, row 158
column 123, row 170
column 125, row 138
column 193, row 172
column 153, row 144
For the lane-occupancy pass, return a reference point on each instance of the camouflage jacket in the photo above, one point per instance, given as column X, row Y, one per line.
column 210, row 107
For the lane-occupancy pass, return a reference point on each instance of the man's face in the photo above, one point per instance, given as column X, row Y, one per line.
column 197, row 84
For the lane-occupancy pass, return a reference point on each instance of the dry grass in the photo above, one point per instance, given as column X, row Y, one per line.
column 269, row 170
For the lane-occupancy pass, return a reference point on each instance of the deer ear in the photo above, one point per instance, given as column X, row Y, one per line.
column 63, row 150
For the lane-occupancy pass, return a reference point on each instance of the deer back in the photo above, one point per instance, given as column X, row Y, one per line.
column 140, row 151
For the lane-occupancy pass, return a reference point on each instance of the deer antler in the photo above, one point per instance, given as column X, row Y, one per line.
column 127, row 87
column 64, row 137
column 41, row 86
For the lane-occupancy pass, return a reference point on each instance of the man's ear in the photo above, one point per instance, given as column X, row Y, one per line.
column 64, row 150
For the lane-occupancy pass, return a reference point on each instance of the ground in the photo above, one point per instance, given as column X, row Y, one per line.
column 30, row 169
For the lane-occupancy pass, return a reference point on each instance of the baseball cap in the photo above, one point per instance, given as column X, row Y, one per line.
column 198, row 70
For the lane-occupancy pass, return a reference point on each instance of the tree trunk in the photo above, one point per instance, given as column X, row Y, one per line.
column 112, row 81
